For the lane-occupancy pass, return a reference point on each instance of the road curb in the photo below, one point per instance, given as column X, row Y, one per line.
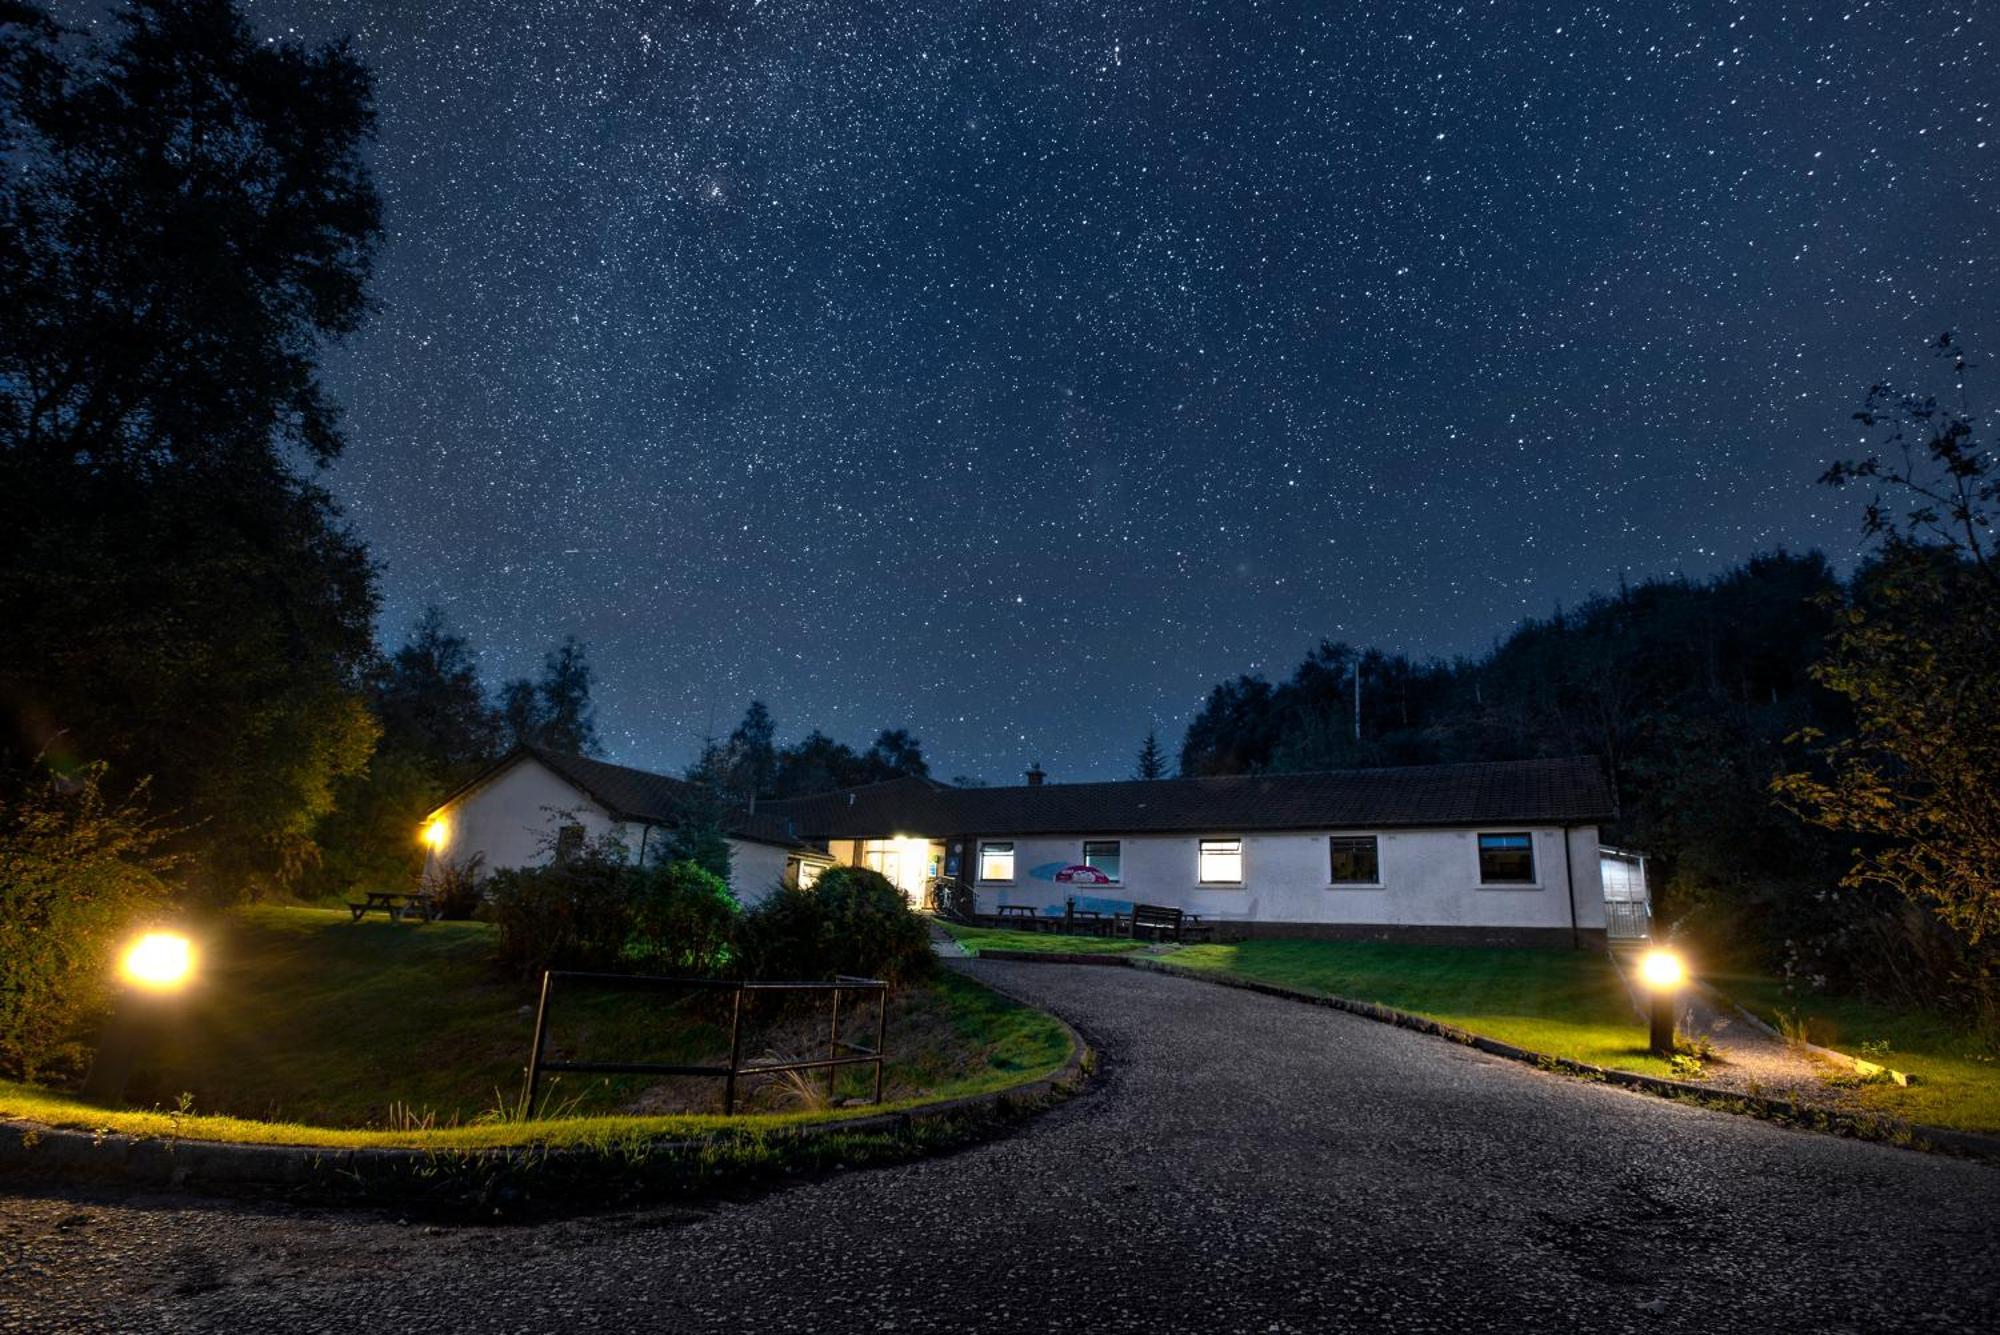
column 30, row 1149
column 1816, row 1117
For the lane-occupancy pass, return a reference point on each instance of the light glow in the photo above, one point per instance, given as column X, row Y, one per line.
column 436, row 834
column 1662, row 970
column 158, row 961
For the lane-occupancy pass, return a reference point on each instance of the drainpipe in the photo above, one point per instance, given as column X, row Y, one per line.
column 1569, row 889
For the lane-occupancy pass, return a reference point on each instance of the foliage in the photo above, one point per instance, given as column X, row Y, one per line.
column 454, row 886
column 574, row 912
column 818, row 764
column 683, row 919
column 78, row 871
column 1916, row 654
column 554, row 710
column 852, row 921
column 186, row 220
column 697, row 835
column 1152, row 758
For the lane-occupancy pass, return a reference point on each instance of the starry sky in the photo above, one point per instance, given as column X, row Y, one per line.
column 1012, row 372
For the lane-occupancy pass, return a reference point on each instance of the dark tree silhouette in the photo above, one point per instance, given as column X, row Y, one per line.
column 186, row 220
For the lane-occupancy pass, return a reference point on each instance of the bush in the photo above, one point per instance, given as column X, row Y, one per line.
column 683, row 919
column 454, row 886
column 77, row 874
column 574, row 913
column 851, row 921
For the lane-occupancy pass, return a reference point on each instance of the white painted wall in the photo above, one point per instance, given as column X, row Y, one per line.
column 1430, row 878
column 511, row 815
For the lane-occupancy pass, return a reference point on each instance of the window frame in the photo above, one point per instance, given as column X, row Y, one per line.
column 1013, row 852
column 1533, row 880
column 1117, row 847
column 1375, row 849
column 1242, row 861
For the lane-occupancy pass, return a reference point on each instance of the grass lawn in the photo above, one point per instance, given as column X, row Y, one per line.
column 1568, row 1003
column 308, row 1028
column 976, row 939
column 1958, row 1076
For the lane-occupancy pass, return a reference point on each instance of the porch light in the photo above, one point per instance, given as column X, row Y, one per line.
column 435, row 833
column 1664, row 973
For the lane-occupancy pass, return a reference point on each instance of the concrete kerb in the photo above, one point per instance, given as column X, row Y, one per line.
column 1833, row 1121
column 66, row 1153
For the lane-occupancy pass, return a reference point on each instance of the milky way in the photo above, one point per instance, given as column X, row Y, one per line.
column 1013, row 372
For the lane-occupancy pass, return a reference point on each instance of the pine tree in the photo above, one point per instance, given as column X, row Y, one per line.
column 1152, row 759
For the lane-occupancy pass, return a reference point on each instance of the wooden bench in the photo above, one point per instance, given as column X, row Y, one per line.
column 1155, row 920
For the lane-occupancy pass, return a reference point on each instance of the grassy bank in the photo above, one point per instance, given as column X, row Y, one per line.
column 977, row 939
column 1958, row 1076
column 308, row 1028
column 1568, row 1003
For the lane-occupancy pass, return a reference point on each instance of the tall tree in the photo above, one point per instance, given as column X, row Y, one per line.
column 1152, row 757
column 555, row 709
column 186, row 220
column 430, row 702
column 1917, row 654
column 897, row 755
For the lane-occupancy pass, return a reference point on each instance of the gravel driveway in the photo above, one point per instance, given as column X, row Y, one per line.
column 1242, row 1163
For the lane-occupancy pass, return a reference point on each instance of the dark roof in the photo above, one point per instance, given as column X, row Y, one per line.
column 1570, row 791
column 639, row 795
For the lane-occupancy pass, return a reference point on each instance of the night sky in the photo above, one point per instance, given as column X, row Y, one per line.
column 1012, row 372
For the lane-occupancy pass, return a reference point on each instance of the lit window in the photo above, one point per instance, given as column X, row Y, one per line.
column 1355, row 860
column 809, row 873
column 1222, row 862
column 996, row 862
column 1102, row 854
column 1506, row 859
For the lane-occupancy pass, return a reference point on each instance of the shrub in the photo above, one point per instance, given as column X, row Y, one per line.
column 454, row 886
column 683, row 919
column 574, row 913
column 851, row 921
column 77, row 873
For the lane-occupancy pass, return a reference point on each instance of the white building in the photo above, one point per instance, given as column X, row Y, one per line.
column 1503, row 852
column 520, row 809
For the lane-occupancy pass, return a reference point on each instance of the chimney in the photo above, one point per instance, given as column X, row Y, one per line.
column 1035, row 775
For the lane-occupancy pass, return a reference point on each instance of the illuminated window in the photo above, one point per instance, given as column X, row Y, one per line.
column 1222, row 862
column 1356, row 860
column 809, row 873
column 1103, row 855
column 996, row 862
column 1506, row 859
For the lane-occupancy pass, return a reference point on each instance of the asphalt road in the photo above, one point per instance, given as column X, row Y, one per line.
column 1242, row 1164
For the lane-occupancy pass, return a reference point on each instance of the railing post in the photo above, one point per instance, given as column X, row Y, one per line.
column 535, row 1051
column 833, row 1047
column 735, row 1053
column 881, row 1034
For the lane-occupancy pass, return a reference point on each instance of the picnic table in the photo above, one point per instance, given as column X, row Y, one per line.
column 395, row 903
column 1019, row 911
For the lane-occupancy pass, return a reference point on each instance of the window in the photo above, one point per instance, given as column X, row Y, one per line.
column 996, row 862
column 569, row 842
column 808, row 872
column 1506, row 859
column 1222, row 862
column 1355, row 860
column 1103, row 855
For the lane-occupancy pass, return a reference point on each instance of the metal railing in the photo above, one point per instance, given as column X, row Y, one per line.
column 538, row 1062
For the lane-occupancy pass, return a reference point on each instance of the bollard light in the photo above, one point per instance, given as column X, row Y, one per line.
column 1664, row 973
column 154, row 969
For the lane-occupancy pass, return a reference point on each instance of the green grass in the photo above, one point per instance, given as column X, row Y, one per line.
column 308, row 1028
column 977, row 939
column 1958, row 1076
column 1567, row 1003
